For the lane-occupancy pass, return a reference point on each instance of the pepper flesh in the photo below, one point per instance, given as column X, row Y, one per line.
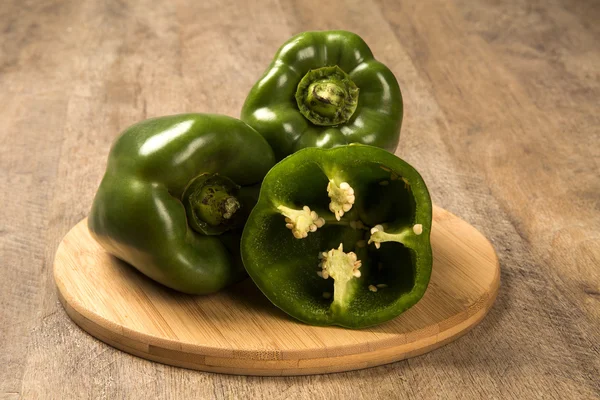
column 325, row 89
column 175, row 195
column 375, row 259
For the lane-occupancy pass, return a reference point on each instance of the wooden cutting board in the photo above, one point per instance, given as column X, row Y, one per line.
column 238, row 331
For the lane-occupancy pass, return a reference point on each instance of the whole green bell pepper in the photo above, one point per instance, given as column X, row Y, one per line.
column 341, row 236
column 175, row 196
column 325, row 89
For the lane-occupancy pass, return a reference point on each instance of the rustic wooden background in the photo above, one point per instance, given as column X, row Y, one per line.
column 501, row 118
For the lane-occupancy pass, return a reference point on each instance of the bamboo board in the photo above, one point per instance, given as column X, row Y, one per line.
column 237, row 331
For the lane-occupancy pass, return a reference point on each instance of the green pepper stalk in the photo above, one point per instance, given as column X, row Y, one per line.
column 327, row 96
column 211, row 204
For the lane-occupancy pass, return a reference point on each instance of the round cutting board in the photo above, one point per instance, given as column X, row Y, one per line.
column 237, row 331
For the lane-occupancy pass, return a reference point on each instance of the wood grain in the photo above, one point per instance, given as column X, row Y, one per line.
column 238, row 332
column 501, row 119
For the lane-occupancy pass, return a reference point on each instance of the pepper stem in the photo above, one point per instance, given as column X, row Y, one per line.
column 211, row 204
column 215, row 205
column 327, row 96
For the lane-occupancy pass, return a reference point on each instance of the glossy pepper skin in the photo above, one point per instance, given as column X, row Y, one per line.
column 175, row 195
column 341, row 236
column 325, row 89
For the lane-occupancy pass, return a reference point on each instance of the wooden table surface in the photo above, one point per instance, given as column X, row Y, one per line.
column 501, row 118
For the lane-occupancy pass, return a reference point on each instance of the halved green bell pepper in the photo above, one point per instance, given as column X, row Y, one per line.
column 341, row 236
column 325, row 89
column 175, row 196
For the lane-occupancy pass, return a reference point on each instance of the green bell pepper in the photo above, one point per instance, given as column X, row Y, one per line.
column 175, row 196
column 341, row 236
column 325, row 89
